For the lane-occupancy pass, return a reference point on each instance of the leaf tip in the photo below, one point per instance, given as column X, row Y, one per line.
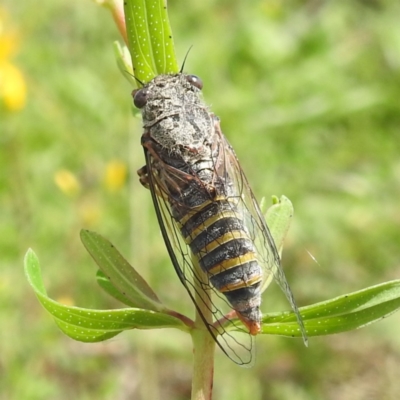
column 29, row 258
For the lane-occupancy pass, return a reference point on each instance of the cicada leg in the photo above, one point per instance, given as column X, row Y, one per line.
column 143, row 176
column 170, row 179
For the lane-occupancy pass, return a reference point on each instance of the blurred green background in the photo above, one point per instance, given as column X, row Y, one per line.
column 309, row 96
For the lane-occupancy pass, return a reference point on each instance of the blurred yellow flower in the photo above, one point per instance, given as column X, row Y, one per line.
column 67, row 182
column 12, row 82
column 12, row 87
column 115, row 176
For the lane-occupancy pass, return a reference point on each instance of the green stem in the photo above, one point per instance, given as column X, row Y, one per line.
column 203, row 343
column 203, row 364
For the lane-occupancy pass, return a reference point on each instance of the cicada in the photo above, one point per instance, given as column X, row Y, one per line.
column 214, row 231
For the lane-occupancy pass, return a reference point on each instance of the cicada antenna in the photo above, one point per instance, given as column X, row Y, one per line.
column 134, row 77
column 138, row 80
column 184, row 60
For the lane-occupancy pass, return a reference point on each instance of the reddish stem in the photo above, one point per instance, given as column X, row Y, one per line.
column 117, row 11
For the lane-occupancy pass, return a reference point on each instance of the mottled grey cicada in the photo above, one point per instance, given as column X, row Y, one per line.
column 211, row 223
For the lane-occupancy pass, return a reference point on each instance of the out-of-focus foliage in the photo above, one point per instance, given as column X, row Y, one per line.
column 308, row 94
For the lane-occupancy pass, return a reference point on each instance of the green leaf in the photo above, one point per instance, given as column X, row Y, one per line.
column 149, row 38
column 124, row 63
column 139, row 41
column 278, row 217
column 94, row 325
column 108, row 287
column 161, row 37
column 122, row 275
column 341, row 314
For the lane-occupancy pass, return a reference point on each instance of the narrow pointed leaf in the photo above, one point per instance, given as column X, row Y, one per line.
column 88, row 325
column 161, row 37
column 341, row 314
column 149, row 38
column 139, row 41
column 278, row 217
column 124, row 63
column 108, row 287
column 122, row 275
column 94, row 325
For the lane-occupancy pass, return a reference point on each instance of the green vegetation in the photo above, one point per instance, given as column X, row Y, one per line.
column 308, row 96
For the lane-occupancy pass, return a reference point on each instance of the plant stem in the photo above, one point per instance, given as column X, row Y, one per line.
column 203, row 364
column 203, row 343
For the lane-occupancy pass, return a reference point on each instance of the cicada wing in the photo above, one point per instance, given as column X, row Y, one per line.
column 268, row 255
column 225, row 328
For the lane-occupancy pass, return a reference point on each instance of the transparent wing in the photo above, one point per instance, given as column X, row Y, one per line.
column 267, row 254
column 229, row 334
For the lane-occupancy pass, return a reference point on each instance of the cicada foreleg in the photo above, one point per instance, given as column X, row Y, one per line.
column 144, row 176
column 172, row 181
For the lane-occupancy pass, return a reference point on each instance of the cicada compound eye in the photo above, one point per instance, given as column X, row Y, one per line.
column 195, row 81
column 140, row 97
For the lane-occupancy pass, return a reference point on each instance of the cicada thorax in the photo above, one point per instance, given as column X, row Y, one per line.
column 213, row 226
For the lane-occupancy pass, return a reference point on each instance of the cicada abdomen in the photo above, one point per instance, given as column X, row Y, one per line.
column 219, row 239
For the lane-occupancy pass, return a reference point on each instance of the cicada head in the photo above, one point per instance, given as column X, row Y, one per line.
column 167, row 93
